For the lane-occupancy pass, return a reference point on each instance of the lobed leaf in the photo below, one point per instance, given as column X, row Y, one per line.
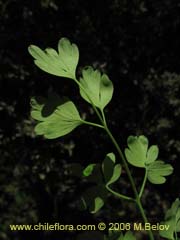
column 157, row 171
column 55, row 120
column 136, row 154
column 62, row 63
column 96, row 88
column 152, row 154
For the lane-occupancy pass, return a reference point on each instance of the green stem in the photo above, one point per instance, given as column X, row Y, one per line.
column 119, row 195
column 123, row 160
column 103, row 121
column 92, row 124
column 103, row 116
column 143, row 184
column 137, row 199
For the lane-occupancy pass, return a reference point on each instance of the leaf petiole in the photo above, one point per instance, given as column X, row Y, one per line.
column 119, row 195
column 103, row 116
column 143, row 184
column 92, row 124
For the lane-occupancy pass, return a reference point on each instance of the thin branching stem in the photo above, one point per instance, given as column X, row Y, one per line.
column 104, row 119
column 92, row 124
column 143, row 184
column 137, row 198
column 103, row 122
column 119, row 195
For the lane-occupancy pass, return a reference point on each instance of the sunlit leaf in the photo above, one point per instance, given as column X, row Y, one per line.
column 157, row 171
column 136, row 153
column 152, row 154
column 62, row 63
column 139, row 155
column 55, row 120
column 98, row 88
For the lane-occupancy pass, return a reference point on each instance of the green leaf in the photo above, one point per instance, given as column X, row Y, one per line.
column 55, row 120
column 93, row 173
column 98, row 204
column 172, row 219
column 111, row 171
column 116, row 174
column 89, row 169
column 174, row 211
column 136, row 154
column 139, row 155
column 169, row 234
column 152, row 154
column 62, row 63
column 98, row 88
column 157, row 172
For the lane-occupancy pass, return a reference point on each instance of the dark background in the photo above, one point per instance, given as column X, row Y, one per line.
column 137, row 43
